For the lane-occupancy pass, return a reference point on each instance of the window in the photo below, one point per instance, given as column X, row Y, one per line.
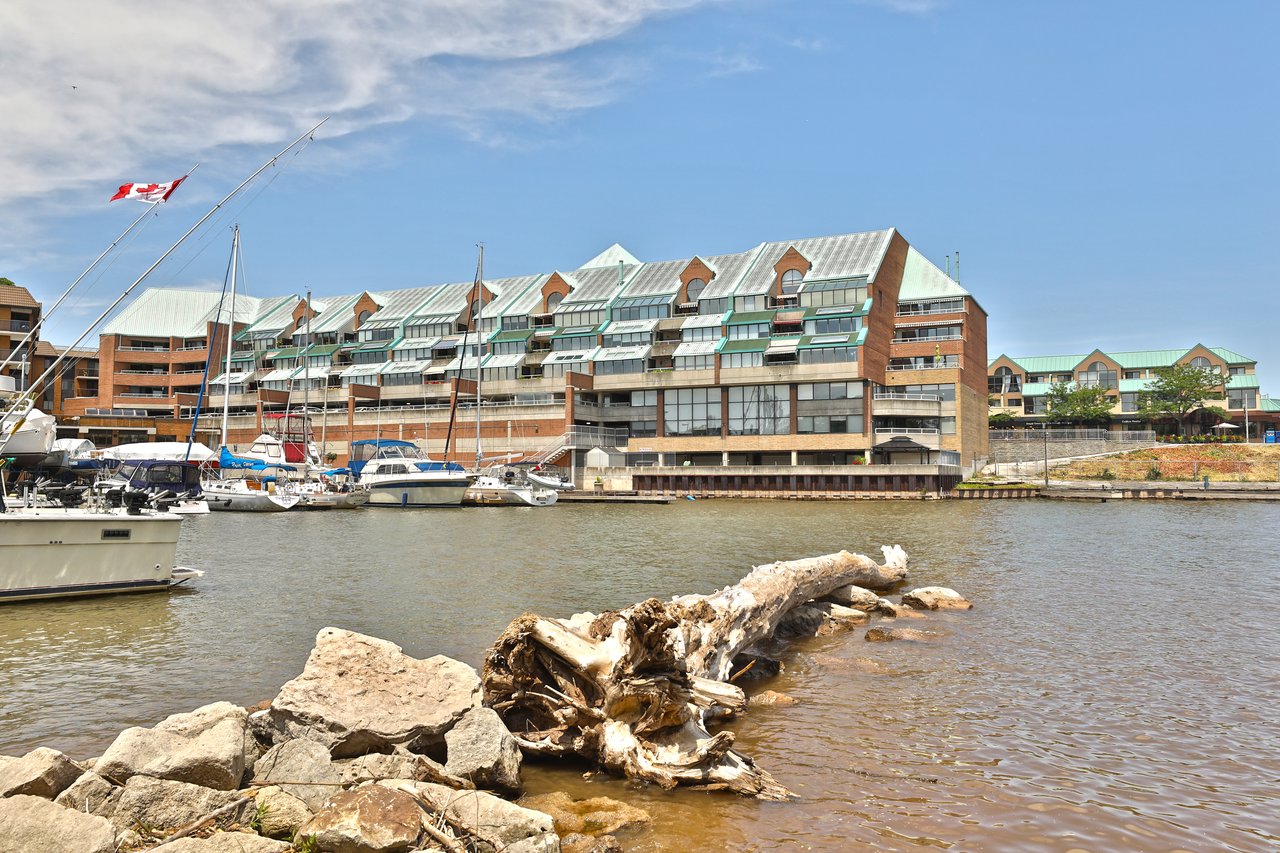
column 630, row 340
column 828, row 355
column 362, row 316
column 692, row 411
column 553, row 301
column 1201, row 363
column 411, row 377
column 643, row 429
column 944, row 392
column 833, row 293
column 1005, row 381
column 760, row 410
column 644, row 398
column 700, row 333
column 749, row 330
column 582, row 342
column 1242, row 398
column 1133, row 374
column 1128, row 402
column 713, row 306
column 827, row 424
column 643, row 308
column 624, row 365
column 791, row 281
column 1098, row 376
column 425, row 330
column 732, row 360
column 368, row 335
column 1034, row 406
column 748, row 303
column 1236, row 371
column 936, row 306
column 832, row 325
column 933, row 333
column 829, row 391
column 695, row 362
column 694, row 289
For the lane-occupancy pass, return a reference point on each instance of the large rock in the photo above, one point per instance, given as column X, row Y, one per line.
column 280, row 814
column 359, row 694
column 418, row 768
column 90, row 794
column 887, row 635
column 205, row 747
column 372, row 819
column 935, row 598
column 167, row 805
column 42, row 772
column 225, row 842
column 839, row 618
column 482, row 751
column 594, row 816
column 801, row 621
column 36, row 825
column 855, row 597
column 495, row 821
column 302, row 761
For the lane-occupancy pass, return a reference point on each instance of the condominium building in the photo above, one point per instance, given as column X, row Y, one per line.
column 19, row 313
column 1018, row 386
column 847, row 364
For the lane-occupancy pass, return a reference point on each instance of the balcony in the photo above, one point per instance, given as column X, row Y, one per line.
column 930, row 438
column 907, row 405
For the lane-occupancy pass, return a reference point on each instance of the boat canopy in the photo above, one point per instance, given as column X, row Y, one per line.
column 382, row 442
column 230, row 462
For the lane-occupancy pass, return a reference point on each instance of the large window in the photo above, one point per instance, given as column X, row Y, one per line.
column 366, row 335
column 806, row 424
column 629, row 340
column 1128, row 402
column 695, row 362
column 622, row 365
column 945, row 392
column 1005, row 381
column 713, row 306
column 643, row 308
column 936, row 306
column 581, row 317
column 933, row 333
column 760, row 410
column 829, row 391
column 700, row 333
column 732, row 360
column 748, row 303
column 791, row 281
column 750, row 330
column 1098, row 376
column 694, row 289
column 832, row 325
column 833, row 293
column 579, row 342
column 828, row 355
column 1200, row 363
column 644, row 398
column 691, row 411
column 1242, row 398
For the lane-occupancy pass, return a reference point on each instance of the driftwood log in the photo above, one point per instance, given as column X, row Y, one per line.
column 634, row 690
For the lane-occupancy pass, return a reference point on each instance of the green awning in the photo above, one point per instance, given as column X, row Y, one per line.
column 287, row 352
column 379, row 346
column 512, row 335
column 744, row 317
column 575, row 332
column 746, row 345
column 1243, row 380
column 243, row 356
column 834, row 311
column 323, row 349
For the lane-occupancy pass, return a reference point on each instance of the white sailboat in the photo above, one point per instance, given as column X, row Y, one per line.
column 502, row 485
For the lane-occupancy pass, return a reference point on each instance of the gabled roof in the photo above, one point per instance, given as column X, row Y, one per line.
column 611, row 257
column 921, row 279
column 842, row 256
column 165, row 312
column 17, row 296
column 1134, row 360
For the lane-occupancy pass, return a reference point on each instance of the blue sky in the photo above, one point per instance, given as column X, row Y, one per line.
column 1107, row 170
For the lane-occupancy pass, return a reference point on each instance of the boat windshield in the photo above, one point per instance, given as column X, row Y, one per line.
column 399, row 452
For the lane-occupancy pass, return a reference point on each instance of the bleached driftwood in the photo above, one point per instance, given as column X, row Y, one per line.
column 633, row 690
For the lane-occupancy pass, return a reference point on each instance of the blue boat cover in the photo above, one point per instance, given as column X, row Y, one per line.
column 227, row 460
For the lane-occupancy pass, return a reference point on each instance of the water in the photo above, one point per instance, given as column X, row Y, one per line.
column 1113, row 689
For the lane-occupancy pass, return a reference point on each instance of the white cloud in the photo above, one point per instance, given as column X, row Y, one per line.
column 909, row 7
column 165, row 82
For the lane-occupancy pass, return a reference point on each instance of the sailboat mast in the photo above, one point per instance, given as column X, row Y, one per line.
column 479, row 294
column 306, row 391
column 231, row 329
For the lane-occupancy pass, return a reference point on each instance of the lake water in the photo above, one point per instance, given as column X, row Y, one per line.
column 1115, row 687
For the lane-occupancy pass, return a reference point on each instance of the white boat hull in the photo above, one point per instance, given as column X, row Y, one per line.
column 550, row 482
column 230, row 499
column 32, row 441
column 415, row 492
column 51, row 553
column 487, row 491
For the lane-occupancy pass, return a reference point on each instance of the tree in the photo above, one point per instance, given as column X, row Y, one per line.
column 1001, row 420
column 1177, row 391
column 1068, row 404
column 7, row 282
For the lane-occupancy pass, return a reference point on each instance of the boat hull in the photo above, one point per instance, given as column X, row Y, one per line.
column 247, row 500
column 53, row 553
column 417, row 493
column 499, row 495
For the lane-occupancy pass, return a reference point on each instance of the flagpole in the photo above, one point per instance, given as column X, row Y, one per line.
column 62, row 357
column 35, row 329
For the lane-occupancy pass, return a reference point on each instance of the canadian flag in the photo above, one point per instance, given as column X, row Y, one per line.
column 150, row 193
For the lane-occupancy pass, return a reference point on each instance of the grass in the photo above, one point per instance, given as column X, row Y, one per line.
column 1254, row 463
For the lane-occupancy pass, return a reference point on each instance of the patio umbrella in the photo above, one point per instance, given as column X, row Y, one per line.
column 1226, row 426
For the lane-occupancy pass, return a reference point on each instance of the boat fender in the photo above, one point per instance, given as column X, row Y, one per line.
column 690, row 498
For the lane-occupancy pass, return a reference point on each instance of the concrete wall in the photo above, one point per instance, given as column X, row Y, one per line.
column 1032, row 449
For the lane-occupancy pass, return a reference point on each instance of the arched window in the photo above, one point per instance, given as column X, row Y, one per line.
column 364, row 315
column 1005, row 381
column 1099, row 376
column 693, row 289
column 791, row 281
column 553, row 301
column 302, row 321
column 1201, row 363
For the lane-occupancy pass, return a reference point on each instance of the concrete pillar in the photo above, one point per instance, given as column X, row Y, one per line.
column 662, row 460
column 724, row 458
column 795, row 458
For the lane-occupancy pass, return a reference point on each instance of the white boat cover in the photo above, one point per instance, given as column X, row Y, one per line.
column 172, row 450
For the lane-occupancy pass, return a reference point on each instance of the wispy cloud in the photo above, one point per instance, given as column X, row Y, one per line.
column 908, row 7
column 97, row 92
column 725, row 64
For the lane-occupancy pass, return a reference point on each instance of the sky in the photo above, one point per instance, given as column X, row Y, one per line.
column 1106, row 171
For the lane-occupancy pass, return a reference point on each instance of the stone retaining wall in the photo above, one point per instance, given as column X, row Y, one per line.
column 1032, row 449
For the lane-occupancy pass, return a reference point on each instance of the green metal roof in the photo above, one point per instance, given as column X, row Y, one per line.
column 1132, row 386
column 1048, row 363
column 323, row 349
column 287, row 352
column 820, row 341
column 1232, row 357
column 834, row 311
column 243, row 356
column 1035, row 389
column 746, row 345
column 1129, row 360
column 1249, row 380
column 744, row 317
column 1269, row 404
column 576, row 332
column 512, row 335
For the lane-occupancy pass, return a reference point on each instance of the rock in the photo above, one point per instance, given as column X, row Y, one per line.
column 495, row 821
column 372, row 819
column 885, row 635
column 893, row 611
column 225, row 842
column 359, row 694
column 204, row 747
column 36, row 825
column 281, row 813
column 90, row 794
column 751, row 666
column 419, row 768
column 595, row 816
column 42, row 772
column 576, row 842
column 303, row 761
column 801, row 621
column 935, row 598
column 771, row 697
column 484, row 752
column 167, row 805
column 853, row 596
column 839, row 618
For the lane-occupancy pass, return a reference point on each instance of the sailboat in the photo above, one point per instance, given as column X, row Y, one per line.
column 261, row 493
column 501, row 485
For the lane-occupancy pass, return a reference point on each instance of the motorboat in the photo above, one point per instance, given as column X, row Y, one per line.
column 543, row 475
column 333, row 489
column 398, row 474
column 177, row 483
column 27, row 436
column 52, row 551
column 508, row 485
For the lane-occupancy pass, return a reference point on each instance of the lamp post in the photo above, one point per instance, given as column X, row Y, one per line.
column 1045, row 430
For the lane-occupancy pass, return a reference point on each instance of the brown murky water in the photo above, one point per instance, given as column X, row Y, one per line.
column 1114, row 689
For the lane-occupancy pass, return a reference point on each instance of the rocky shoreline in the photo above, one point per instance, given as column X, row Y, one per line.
column 369, row 750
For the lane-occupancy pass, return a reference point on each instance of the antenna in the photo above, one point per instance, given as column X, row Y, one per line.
column 957, row 266
column 948, row 266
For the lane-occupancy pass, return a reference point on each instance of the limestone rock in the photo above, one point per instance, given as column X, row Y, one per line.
column 36, row 825
column 282, row 814
column 372, row 819
column 576, row 842
column 499, row 823
column 855, row 597
column 594, row 816
column 166, row 804
column 418, row 768
column 225, row 842
column 750, row 666
column 771, row 697
column 90, row 794
column 303, row 761
column 204, row 747
column 42, row 772
column 359, row 694
column 885, row 635
column 801, row 621
column 839, row 618
column 935, row 598
column 484, row 752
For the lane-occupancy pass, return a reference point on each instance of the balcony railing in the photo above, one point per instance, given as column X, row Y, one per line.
column 143, row 349
column 934, row 398
column 935, row 366
column 898, row 340
column 906, row 431
column 19, row 325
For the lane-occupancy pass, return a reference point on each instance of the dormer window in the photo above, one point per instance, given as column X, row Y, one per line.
column 1200, row 363
column 791, row 281
column 694, row 289
column 553, row 301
